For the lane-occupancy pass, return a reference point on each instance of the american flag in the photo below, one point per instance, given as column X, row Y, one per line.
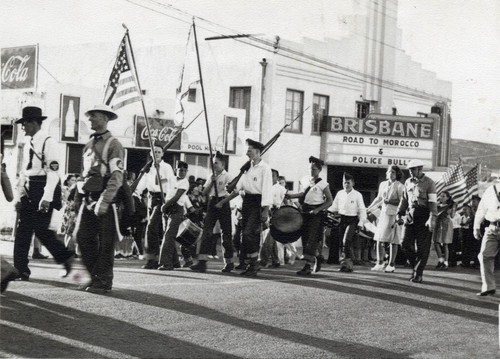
column 454, row 182
column 471, row 181
column 122, row 87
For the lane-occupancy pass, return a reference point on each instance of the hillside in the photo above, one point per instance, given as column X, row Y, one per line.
column 472, row 152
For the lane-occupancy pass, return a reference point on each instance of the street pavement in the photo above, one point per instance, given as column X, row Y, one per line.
column 183, row 314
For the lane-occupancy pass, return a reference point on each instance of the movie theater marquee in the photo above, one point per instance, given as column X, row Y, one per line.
column 379, row 141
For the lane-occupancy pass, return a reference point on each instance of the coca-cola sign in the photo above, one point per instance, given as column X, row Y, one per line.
column 162, row 130
column 19, row 67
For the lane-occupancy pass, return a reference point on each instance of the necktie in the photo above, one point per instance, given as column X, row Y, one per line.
column 32, row 152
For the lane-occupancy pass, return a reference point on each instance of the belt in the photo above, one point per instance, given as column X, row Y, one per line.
column 155, row 193
column 495, row 223
column 217, row 198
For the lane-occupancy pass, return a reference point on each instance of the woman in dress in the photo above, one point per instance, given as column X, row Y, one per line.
column 388, row 231
column 316, row 199
column 443, row 232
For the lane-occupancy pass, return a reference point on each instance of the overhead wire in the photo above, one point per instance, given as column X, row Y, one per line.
column 269, row 47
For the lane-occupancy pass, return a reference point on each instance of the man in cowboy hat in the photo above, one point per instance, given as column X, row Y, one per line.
column 419, row 204
column 39, row 193
column 103, row 177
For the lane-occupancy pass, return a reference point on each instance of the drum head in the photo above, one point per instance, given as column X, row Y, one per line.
column 286, row 224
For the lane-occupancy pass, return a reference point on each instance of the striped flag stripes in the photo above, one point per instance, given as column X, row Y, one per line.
column 122, row 86
column 454, row 182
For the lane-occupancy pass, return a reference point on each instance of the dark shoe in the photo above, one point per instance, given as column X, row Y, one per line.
column 150, row 264
column 440, row 265
column 98, row 289
column 24, row 276
column 228, row 268
column 465, row 265
column 201, row 267
column 306, row 270
column 275, row 265
column 164, row 267
column 188, row 264
column 241, row 266
column 416, row 279
column 345, row 269
column 10, row 277
column 252, row 270
column 38, row 255
column 177, row 265
column 488, row 292
column 68, row 266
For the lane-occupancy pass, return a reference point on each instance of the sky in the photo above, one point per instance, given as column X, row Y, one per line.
column 457, row 39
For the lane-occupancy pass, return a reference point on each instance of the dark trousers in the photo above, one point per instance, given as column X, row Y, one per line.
column 268, row 251
column 312, row 233
column 154, row 233
column 417, row 235
column 223, row 215
column 168, row 251
column 32, row 221
column 237, row 242
column 333, row 246
column 138, row 233
column 347, row 231
column 251, row 225
column 96, row 237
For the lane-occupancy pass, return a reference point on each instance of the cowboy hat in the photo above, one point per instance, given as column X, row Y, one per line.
column 31, row 113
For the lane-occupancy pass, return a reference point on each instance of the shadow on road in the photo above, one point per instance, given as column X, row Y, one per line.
column 98, row 331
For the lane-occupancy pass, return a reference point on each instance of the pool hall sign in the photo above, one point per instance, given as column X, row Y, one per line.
column 378, row 140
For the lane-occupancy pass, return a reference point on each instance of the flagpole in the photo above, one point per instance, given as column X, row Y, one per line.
column 204, row 103
column 151, row 146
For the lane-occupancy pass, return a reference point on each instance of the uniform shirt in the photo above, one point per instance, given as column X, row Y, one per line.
column 150, row 180
column 390, row 191
column 420, row 192
column 349, row 204
column 221, row 181
column 278, row 195
column 315, row 194
column 258, row 180
column 50, row 169
column 92, row 154
column 489, row 207
column 180, row 184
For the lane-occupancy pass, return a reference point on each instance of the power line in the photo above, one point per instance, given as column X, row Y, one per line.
column 366, row 78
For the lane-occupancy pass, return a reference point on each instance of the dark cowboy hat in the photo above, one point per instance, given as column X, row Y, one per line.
column 31, row 113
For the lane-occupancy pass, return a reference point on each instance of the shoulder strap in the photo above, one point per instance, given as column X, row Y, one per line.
column 105, row 150
column 42, row 159
column 496, row 192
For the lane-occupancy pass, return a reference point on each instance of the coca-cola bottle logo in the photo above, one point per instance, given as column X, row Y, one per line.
column 15, row 70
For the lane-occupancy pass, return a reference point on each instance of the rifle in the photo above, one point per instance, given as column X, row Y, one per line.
column 169, row 144
column 232, row 185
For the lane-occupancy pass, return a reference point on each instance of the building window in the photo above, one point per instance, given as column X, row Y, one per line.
column 362, row 109
column 8, row 134
column 293, row 108
column 320, row 109
column 192, row 95
column 394, row 111
column 239, row 97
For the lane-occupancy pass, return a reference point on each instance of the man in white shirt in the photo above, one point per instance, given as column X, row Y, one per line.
column 216, row 192
column 149, row 182
column 256, row 183
column 38, row 194
column 174, row 215
column 488, row 209
column 350, row 205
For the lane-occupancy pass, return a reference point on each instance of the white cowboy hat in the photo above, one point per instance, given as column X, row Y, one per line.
column 104, row 109
column 415, row 163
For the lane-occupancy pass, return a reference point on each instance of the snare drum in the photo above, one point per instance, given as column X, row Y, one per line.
column 331, row 220
column 286, row 224
column 188, row 233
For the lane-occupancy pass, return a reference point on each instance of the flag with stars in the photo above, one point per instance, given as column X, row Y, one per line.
column 122, row 86
column 454, row 182
column 471, row 181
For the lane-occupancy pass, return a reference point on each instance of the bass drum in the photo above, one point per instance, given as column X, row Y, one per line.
column 286, row 224
column 188, row 233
